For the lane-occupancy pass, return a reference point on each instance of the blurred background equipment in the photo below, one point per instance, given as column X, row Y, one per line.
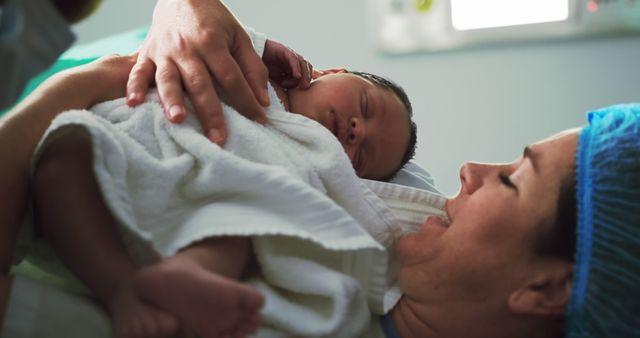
column 432, row 25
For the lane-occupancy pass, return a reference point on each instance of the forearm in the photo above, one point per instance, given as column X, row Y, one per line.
column 21, row 129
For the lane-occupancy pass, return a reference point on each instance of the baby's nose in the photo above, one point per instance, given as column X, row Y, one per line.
column 356, row 131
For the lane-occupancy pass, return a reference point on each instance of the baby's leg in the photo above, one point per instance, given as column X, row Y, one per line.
column 199, row 285
column 70, row 211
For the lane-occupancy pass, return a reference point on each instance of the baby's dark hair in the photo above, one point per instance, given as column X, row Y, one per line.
column 402, row 95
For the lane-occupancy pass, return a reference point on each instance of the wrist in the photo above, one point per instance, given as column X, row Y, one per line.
column 102, row 80
column 76, row 89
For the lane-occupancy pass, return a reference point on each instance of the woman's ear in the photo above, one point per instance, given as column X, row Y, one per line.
column 318, row 73
column 546, row 293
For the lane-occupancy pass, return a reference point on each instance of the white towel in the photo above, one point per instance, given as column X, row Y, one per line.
column 289, row 185
column 284, row 313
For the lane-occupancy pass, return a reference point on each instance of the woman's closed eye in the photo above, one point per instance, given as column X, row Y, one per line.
column 504, row 179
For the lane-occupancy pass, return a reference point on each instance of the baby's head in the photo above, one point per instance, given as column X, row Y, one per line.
column 370, row 116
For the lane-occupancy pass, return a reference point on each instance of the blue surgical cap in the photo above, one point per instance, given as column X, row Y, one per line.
column 605, row 297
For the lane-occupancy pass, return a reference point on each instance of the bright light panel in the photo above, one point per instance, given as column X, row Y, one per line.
column 476, row 14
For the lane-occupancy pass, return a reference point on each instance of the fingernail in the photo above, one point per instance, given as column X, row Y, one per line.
column 132, row 98
column 214, row 135
column 262, row 119
column 175, row 111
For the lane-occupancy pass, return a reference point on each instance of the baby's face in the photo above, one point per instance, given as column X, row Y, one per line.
column 370, row 122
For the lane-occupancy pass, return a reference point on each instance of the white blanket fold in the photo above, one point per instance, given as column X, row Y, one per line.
column 319, row 233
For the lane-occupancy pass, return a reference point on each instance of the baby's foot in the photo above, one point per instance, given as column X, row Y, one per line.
column 133, row 318
column 208, row 304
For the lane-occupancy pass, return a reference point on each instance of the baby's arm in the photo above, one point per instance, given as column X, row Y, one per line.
column 286, row 67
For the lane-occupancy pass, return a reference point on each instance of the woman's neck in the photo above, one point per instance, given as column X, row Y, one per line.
column 407, row 321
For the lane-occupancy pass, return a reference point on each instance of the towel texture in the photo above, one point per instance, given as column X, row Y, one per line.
column 285, row 313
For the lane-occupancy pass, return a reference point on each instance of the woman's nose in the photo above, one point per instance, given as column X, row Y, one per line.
column 472, row 176
column 356, row 131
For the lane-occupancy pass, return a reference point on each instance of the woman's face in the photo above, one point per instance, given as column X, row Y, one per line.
column 473, row 265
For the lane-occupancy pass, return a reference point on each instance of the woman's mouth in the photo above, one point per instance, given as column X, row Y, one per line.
column 441, row 221
column 438, row 221
column 433, row 226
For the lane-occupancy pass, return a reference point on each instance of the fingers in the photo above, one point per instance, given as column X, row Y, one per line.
column 316, row 74
column 170, row 90
column 295, row 64
column 237, row 71
column 169, row 77
column 254, row 70
column 140, row 76
column 307, row 71
column 206, row 102
column 300, row 70
column 238, row 93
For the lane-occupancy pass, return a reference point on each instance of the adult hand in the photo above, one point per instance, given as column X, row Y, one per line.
column 286, row 67
column 200, row 45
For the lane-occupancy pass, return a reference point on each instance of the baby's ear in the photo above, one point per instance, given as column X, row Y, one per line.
column 318, row 73
column 546, row 293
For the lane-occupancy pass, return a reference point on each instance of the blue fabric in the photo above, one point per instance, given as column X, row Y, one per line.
column 388, row 327
column 8, row 22
column 605, row 298
column 33, row 34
